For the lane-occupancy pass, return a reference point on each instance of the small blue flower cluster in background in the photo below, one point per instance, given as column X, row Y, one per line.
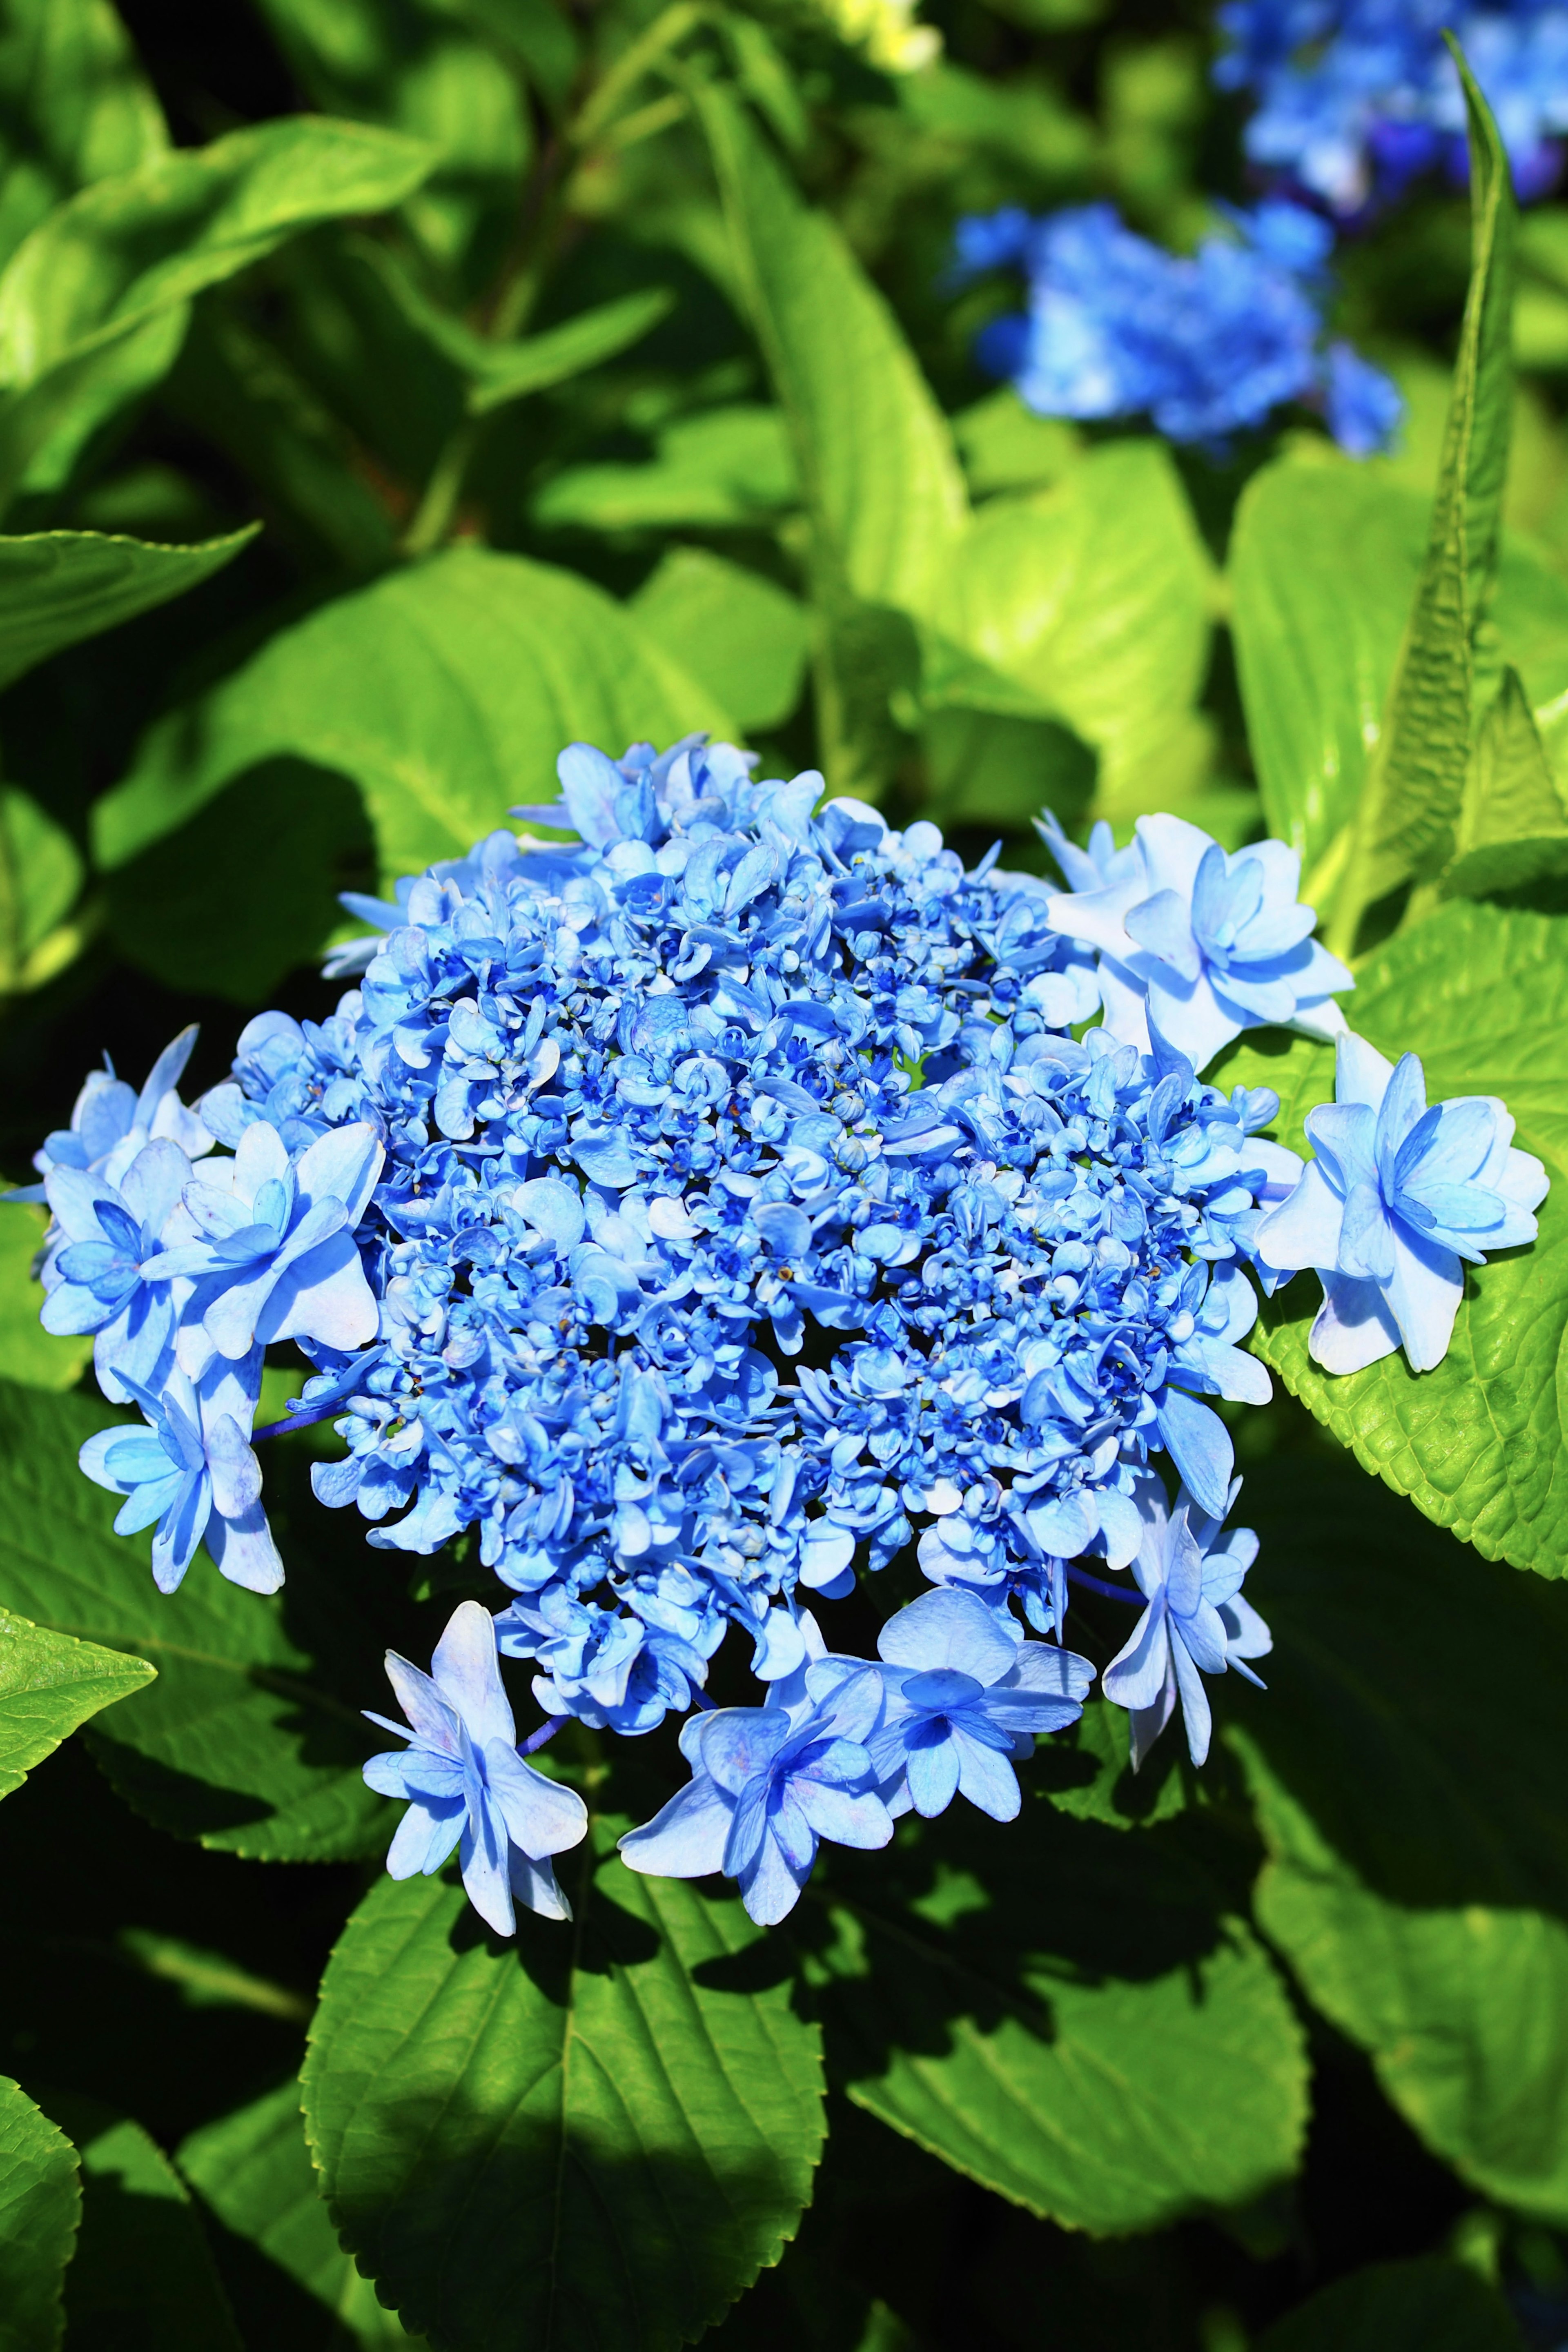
column 699, row 1211
column 1356, row 98
column 1207, row 344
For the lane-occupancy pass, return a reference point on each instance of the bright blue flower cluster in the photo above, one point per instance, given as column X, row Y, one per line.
column 689, row 1211
column 1355, row 98
column 1206, row 344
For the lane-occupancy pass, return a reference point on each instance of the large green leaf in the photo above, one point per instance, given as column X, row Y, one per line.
column 875, row 454
column 1409, row 805
column 74, row 106
column 597, row 2135
column 1430, row 2306
column 742, row 635
column 59, row 586
column 253, row 2170
column 1325, row 558
column 40, row 2206
column 1418, row 1878
column 1072, row 2014
column 239, row 1743
column 1481, row 994
column 1093, row 597
column 417, row 68
column 141, row 2273
column 445, row 692
column 32, row 1356
column 92, row 304
column 50, row 1685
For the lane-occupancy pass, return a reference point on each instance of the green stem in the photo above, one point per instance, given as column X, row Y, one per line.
column 434, row 516
column 673, row 26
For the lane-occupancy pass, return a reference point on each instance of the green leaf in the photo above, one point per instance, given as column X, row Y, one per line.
column 874, row 452
column 209, row 1980
column 247, row 891
column 253, row 2170
column 725, row 468
column 417, row 68
column 33, row 1357
column 1093, row 598
column 1513, row 828
column 1323, row 564
column 239, row 1743
column 92, row 305
column 1418, row 1874
column 599, row 2134
column 746, row 639
column 1429, row 2305
column 503, row 371
column 48, row 1686
column 40, row 2206
column 1325, row 559
column 59, row 586
column 445, row 692
column 40, row 876
column 1073, row 2016
column 141, row 2266
column 76, row 106
column 1411, row 801
column 1005, row 446
column 537, row 34
column 1481, row 994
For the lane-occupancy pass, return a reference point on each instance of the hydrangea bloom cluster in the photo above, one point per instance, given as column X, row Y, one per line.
column 697, row 1211
column 1355, row 98
column 1206, row 344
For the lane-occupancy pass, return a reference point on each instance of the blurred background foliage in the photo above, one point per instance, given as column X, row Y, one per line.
column 514, row 389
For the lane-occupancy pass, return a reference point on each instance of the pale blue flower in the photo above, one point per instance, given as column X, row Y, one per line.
column 277, row 1257
column 1197, row 944
column 768, row 1784
column 468, row 1786
column 965, row 1695
column 112, row 1122
column 191, row 1469
column 1196, row 1622
column 1397, row 1197
column 103, row 1241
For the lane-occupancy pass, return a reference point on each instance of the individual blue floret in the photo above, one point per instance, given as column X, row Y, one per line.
column 1196, row 1621
column 964, row 1695
column 768, row 1784
column 110, row 1122
column 192, row 1471
column 1197, row 944
column 468, row 1786
column 1206, row 344
column 1395, row 1199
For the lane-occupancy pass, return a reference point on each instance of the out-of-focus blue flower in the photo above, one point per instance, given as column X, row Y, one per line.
column 1206, row 344
column 768, row 1784
column 1395, row 1197
column 192, row 1470
column 1355, row 98
column 964, row 1695
column 1197, row 945
column 112, row 1122
column 1196, row 1622
column 468, row 1786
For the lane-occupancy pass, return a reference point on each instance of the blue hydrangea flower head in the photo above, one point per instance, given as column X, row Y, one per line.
column 468, row 1786
column 965, row 1694
column 1206, row 344
column 1354, row 99
column 1198, row 944
column 1196, row 1621
column 1395, row 1197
